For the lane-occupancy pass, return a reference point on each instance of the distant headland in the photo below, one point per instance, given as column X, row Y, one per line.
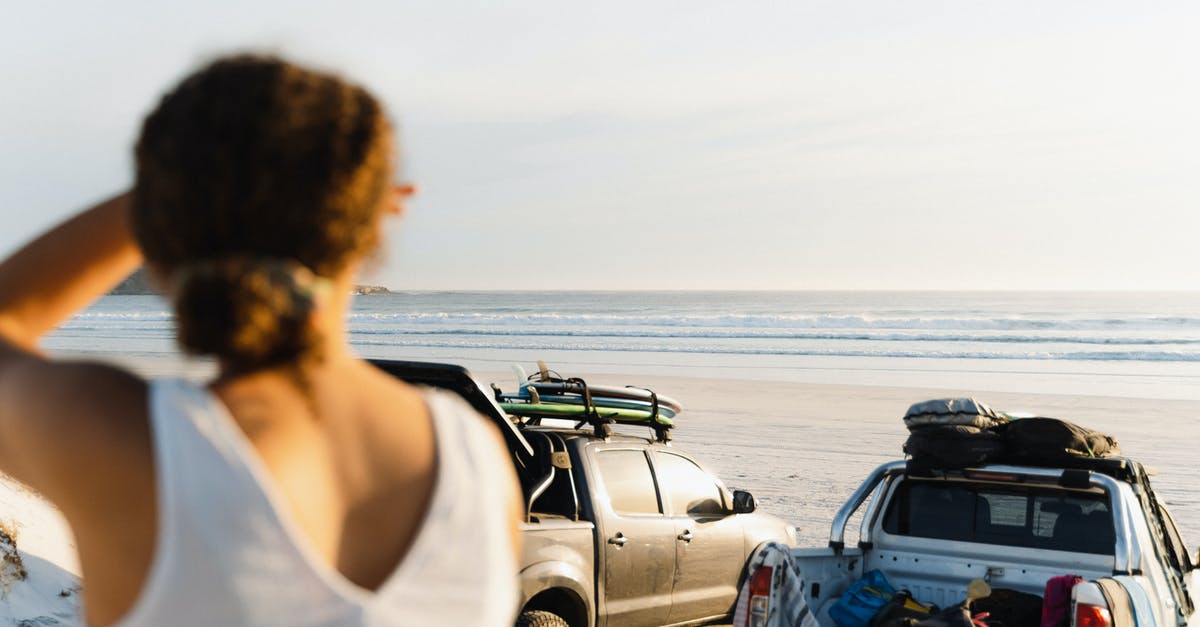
column 361, row 290
column 137, row 284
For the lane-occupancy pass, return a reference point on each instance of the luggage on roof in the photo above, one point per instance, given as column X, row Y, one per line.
column 953, row 411
column 953, row 446
column 1053, row 441
column 956, row 433
column 952, row 433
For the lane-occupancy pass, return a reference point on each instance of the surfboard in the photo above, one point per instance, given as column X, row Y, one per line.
column 546, row 395
column 560, row 410
column 613, row 392
column 597, row 401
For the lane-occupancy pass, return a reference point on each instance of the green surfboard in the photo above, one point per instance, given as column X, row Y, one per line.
column 560, row 410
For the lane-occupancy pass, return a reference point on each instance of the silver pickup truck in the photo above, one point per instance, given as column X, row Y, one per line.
column 1014, row 527
column 628, row 530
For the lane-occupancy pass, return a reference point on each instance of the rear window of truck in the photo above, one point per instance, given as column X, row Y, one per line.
column 1024, row 517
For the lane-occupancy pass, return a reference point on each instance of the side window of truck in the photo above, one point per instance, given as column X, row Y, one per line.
column 689, row 489
column 627, row 478
column 1182, row 558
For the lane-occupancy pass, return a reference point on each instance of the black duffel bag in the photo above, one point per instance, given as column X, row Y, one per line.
column 949, row 447
column 1054, row 441
column 1009, row 608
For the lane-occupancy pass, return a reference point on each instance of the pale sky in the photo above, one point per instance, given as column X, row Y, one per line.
column 687, row 145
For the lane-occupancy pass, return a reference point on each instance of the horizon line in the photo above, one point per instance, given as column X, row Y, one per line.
column 394, row 290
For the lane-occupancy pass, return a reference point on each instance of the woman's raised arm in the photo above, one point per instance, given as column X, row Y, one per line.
column 59, row 273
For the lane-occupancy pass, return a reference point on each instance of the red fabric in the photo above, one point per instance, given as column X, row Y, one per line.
column 1056, row 603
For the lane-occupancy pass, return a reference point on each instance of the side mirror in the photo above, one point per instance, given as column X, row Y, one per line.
column 744, row 502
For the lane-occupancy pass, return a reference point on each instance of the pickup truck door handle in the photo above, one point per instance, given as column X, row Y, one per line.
column 618, row 539
column 686, row 536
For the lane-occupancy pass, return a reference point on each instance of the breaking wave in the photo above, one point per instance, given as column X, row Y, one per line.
column 408, row 341
column 751, row 321
column 784, row 335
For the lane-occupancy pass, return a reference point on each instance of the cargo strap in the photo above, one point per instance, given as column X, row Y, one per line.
column 1138, row 599
column 1119, row 605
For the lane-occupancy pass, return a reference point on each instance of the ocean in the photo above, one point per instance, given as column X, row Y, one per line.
column 1124, row 344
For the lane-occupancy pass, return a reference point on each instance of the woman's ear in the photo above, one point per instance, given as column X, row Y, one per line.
column 398, row 199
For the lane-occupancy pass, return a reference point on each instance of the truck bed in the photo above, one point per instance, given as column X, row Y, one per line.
column 939, row 576
column 1013, row 527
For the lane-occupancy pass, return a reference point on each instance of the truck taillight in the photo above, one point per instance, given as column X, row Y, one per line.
column 1092, row 616
column 760, row 596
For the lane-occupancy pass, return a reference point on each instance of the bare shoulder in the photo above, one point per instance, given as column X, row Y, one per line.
column 390, row 412
column 57, row 419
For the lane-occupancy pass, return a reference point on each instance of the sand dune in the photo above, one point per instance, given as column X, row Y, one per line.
column 39, row 571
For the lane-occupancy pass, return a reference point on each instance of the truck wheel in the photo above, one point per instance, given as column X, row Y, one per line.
column 540, row 618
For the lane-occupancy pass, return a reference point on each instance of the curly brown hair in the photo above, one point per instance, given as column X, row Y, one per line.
column 249, row 168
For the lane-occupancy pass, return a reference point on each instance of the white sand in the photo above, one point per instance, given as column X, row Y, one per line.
column 800, row 448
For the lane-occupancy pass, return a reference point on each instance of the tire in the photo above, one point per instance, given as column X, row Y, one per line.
column 540, row 618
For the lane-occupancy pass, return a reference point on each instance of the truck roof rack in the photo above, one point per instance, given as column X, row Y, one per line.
column 1120, row 468
column 601, row 425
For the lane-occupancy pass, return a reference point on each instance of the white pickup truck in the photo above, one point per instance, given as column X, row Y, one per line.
column 1015, row 527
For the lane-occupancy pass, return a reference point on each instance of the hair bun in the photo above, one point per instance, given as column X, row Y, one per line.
column 251, row 313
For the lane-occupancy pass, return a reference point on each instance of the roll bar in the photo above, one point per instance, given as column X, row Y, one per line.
column 1127, row 558
column 837, row 534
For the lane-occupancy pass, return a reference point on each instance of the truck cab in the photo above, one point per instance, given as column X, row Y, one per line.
column 630, row 530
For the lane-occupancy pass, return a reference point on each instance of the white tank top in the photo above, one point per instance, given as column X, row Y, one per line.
column 228, row 553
